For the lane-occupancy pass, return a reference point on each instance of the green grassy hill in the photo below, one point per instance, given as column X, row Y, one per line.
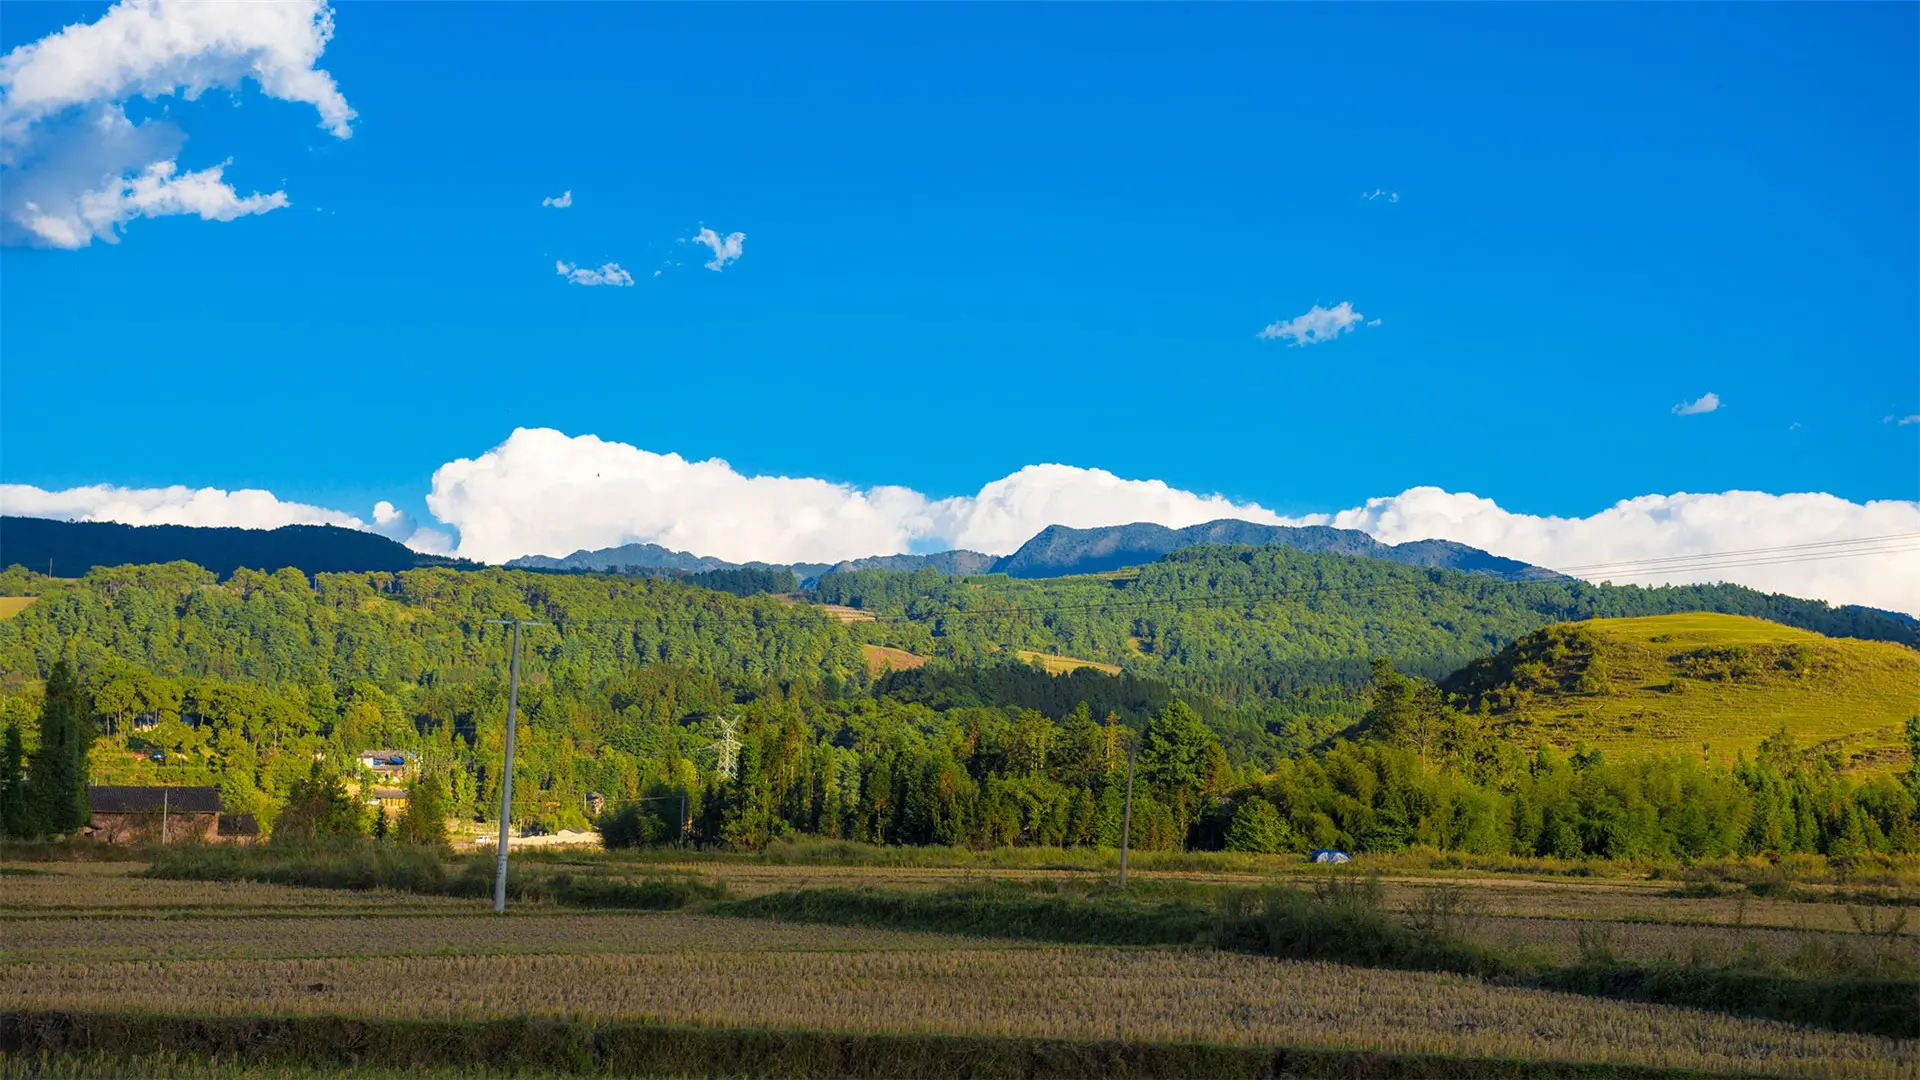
column 1718, row 683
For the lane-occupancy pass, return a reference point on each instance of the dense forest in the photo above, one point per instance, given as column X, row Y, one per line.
column 1247, row 624
column 253, row 683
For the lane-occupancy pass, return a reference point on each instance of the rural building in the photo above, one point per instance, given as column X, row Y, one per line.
column 391, row 799
column 387, row 764
column 239, row 829
column 127, row 815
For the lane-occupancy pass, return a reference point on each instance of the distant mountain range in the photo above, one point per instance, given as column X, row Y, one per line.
column 1059, row 551
column 74, row 547
column 652, row 557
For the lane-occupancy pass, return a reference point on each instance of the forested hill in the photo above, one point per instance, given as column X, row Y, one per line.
column 1060, row 552
column 75, row 547
column 1272, row 621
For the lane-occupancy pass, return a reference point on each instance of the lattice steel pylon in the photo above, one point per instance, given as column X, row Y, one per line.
column 728, row 748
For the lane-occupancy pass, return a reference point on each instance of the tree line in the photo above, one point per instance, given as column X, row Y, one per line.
column 165, row 674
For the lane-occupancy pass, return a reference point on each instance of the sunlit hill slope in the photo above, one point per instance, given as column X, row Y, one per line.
column 1698, row 682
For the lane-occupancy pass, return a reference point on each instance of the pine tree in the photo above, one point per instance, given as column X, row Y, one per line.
column 13, row 791
column 57, row 773
column 425, row 819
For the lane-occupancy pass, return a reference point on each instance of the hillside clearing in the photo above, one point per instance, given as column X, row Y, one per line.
column 14, row 605
column 1061, row 665
column 1718, row 685
column 882, row 657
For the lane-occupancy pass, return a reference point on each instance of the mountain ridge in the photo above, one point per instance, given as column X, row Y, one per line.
column 1064, row 551
column 75, row 547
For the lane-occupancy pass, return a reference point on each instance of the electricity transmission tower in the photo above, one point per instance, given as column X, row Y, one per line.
column 506, row 775
column 728, row 747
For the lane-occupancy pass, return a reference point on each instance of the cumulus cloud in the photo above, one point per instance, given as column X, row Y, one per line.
column 1318, row 324
column 74, row 168
column 544, row 492
column 560, row 201
column 1671, row 527
column 247, row 508
column 609, row 274
column 1705, row 403
column 725, row 248
column 1904, row 420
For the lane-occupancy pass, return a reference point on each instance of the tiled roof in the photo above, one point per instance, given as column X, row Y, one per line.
column 116, row 799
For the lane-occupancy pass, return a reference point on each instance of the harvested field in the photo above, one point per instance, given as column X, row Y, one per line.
column 1156, row 995
column 881, row 657
column 62, row 939
column 109, row 889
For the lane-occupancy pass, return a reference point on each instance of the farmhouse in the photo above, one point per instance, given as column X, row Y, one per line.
column 239, row 829
column 390, row 799
column 387, row 764
column 126, row 815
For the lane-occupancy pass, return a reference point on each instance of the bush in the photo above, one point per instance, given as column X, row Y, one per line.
column 362, row 864
column 1257, row 827
column 1340, row 920
column 1004, row 911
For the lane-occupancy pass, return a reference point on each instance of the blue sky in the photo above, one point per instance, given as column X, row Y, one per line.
column 983, row 237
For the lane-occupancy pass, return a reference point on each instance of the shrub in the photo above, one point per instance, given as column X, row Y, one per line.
column 1257, row 827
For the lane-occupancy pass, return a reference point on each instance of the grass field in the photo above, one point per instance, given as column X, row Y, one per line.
column 14, row 605
column 882, row 657
column 1060, row 665
column 1721, row 684
column 103, row 948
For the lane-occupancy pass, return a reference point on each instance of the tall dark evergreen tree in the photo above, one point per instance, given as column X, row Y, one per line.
column 13, row 791
column 57, row 774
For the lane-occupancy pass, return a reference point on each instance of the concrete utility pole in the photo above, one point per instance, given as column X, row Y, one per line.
column 1126, row 820
column 506, row 776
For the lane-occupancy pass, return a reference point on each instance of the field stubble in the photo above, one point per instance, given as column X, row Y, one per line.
column 1072, row 993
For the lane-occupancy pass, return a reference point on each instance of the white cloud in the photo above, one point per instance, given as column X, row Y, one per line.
column 1381, row 193
column 725, row 248
column 1705, row 403
column 248, row 508
column 609, row 274
column 543, row 492
column 1670, row 526
column 560, row 201
column 1318, row 324
column 74, row 168
column 1905, row 420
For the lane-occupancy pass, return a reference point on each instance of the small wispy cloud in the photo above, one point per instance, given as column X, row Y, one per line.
column 1316, row 325
column 1380, row 193
column 609, row 274
column 1705, row 403
column 1905, row 420
column 560, row 201
column 725, row 248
